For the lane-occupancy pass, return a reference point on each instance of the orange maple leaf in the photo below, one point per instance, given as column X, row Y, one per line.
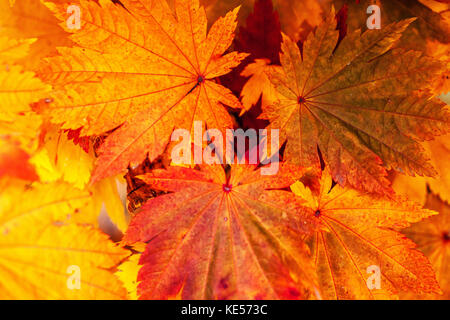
column 360, row 231
column 165, row 81
column 415, row 188
column 433, row 239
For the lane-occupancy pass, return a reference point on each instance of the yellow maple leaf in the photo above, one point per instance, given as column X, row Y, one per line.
column 19, row 89
column 56, row 261
column 59, row 158
column 128, row 271
column 50, row 202
column 43, row 254
column 107, row 197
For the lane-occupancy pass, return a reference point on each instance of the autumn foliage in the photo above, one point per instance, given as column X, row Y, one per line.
column 93, row 205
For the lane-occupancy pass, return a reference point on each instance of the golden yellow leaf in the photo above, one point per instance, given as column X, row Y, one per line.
column 58, row 201
column 128, row 271
column 18, row 89
column 415, row 188
column 40, row 249
column 106, row 196
column 59, row 158
column 42, row 260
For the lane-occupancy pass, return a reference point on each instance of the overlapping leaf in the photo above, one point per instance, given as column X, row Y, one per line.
column 138, row 69
column 429, row 33
column 18, row 124
column 18, row 88
column 35, row 263
column 416, row 188
column 430, row 25
column 38, row 244
column 222, row 238
column 360, row 231
column 356, row 104
column 166, row 80
column 32, row 19
column 433, row 239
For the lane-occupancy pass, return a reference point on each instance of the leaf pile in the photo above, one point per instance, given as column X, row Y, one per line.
column 88, row 183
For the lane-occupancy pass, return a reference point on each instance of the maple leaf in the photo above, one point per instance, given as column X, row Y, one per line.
column 18, row 124
column 430, row 33
column 356, row 104
column 49, row 202
column 442, row 52
column 35, row 265
column 39, row 243
column 31, row 19
column 128, row 271
column 24, row 129
column 19, row 88
column 440, row 155
column 106, row 198
column 432, row 236
column 429, row 24
column 166, row 80
column 215, row 237
column 359, row 231
column 416, row 187
column 261, row 38
column 58, row 158
column 258, row 85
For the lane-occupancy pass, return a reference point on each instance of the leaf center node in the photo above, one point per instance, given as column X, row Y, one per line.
column 301, row 100
column 227, row 188
column 200, row 79
column 446, row 236
column 317, row 213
